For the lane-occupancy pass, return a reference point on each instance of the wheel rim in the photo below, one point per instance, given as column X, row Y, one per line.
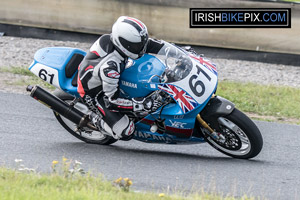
column 236, row 141
column 88, row 134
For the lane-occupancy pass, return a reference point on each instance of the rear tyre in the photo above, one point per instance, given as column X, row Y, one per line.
column 239, row 137
column 86, row 135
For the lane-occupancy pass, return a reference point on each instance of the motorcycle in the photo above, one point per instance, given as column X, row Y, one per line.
column 182, row 80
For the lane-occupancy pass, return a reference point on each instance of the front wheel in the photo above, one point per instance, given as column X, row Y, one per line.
column 238, row 137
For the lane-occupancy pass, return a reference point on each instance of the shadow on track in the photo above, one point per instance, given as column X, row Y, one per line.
column 127, row 151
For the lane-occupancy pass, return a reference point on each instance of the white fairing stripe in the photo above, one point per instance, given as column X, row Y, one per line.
column 46, row 73
column 31, row 65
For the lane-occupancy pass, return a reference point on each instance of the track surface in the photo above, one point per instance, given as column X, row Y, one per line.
column 29, row 131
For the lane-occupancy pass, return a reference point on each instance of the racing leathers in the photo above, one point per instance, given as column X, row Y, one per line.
column 98, row 86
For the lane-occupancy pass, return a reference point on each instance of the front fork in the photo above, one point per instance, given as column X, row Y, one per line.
column 212, row 133
column 204, row 124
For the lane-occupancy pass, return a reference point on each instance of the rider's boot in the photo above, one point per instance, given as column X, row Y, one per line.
column 98, row 121
column 100, row 124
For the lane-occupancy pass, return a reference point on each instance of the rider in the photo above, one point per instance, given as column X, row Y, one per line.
column 99, row 73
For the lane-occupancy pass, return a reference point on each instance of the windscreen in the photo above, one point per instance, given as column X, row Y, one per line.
column 178, row 63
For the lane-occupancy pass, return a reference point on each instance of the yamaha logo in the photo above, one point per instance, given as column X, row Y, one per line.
column 128, row 84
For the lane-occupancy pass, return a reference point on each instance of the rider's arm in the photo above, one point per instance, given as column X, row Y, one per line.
column 110, row 74
column 154, row 46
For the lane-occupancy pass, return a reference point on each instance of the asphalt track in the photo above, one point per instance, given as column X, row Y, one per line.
column 29, row 131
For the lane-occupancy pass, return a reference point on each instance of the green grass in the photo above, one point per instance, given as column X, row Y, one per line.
column 278, row 101
column 298, row 1
column 17, row 70
column 34, row 80
column 29, row 79
column 33, row 186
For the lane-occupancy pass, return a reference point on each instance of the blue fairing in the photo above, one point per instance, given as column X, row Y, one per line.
column 134, row 80
column 57, row 58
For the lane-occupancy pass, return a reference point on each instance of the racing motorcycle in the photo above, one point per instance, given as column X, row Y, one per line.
column 183, row 81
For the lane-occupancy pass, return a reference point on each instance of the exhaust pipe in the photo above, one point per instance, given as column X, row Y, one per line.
column 59, row 106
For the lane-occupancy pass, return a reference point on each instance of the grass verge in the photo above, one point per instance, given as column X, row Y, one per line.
column 33, row 80
column 296, row 1
column 17, row 70
column 27, row 77
column 17, row 185
column 265, row 100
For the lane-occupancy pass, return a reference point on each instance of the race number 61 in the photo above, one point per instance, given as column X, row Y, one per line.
column 198, row 83
column 43, row 74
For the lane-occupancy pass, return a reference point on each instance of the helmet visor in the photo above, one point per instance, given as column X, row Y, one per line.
column 134, row 47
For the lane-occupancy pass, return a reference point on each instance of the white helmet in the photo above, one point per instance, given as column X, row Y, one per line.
column 130, row 36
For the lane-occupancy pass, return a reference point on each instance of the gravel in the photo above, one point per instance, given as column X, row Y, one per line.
column 18, row 52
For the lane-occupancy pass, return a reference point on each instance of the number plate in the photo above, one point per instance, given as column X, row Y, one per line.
column 46, row 73
column 200, row 83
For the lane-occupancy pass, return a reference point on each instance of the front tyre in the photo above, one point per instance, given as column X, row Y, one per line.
column 86, row 135
column 239, row 136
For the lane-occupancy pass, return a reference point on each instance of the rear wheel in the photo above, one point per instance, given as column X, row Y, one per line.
column 87, row 135
column 238, row 136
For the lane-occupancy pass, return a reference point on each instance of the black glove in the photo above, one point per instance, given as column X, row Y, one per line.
column 148, row 104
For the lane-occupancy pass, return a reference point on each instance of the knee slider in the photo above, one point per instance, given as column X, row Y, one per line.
column 129, row 129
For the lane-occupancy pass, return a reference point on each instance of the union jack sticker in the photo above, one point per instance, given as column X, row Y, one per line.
column 206, row 63
column 184, row 100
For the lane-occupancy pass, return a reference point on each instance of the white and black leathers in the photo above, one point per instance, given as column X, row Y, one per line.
column 98, row 85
